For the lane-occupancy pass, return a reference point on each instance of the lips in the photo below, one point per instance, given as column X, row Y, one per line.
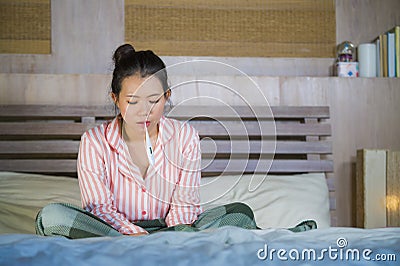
column 147, row 123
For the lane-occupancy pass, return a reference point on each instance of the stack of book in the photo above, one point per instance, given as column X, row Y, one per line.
column 388, row 53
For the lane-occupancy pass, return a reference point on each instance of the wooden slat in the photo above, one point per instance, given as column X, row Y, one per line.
column 245, row 112
column 209, row 146
column 302, row 129
column 43, row 129
column 321, row 112
column 182, row 112
column 277, row 166
column 293, row 166
column 228, row 128
column 227, row 166
column 39, row 147
column 39, row 166
column 252, row 128
column 29, row 111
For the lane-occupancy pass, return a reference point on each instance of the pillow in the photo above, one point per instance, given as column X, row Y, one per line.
column 22, row 195
column 278, row 201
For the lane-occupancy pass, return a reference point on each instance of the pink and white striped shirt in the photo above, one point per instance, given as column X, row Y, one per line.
column 113, row 189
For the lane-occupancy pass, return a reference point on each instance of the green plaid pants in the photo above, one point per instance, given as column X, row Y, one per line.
column 74, row 222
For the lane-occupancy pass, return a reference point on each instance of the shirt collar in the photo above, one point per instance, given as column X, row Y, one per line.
column 166, row 129
column 113, row 132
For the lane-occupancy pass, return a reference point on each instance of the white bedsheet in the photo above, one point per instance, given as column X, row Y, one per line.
column 224, row 246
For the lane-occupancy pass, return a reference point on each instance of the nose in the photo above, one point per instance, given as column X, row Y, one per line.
column 144, row 108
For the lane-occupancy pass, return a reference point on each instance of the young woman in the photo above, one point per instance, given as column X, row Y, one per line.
column 140, row 172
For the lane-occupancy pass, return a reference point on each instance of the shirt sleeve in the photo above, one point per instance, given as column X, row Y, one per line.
column 185, row 203
column 96, row 196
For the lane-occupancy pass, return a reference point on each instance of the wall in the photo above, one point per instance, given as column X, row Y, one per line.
column 85, row 33
column 362, row 21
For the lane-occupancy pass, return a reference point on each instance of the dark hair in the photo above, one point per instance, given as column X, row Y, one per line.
column 128, row 62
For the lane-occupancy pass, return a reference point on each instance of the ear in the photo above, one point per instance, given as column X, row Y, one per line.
column 114, row 98
column 167, row 94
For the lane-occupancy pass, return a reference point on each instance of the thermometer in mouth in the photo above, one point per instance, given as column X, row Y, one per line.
column 149, row 149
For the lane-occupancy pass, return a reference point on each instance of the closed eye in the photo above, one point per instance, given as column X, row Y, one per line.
column 154, row 101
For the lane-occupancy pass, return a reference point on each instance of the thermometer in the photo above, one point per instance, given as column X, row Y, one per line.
column 149, row 149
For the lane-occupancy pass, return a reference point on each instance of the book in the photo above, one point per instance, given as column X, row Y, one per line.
column 391, row 62
column 388, row 53
column 394, row 51
column 397, row 50
column 381, row 55
column 378, row 57
column 384, row 55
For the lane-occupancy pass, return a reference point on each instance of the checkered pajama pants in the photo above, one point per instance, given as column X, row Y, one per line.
column 73, row 222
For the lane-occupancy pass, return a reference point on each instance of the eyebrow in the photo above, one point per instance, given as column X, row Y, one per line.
column 135, row 96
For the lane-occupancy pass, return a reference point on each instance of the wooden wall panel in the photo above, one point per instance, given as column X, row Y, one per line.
column 274, row 28
column 25, row 27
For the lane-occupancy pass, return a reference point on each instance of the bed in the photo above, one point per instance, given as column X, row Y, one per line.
column 277, row 160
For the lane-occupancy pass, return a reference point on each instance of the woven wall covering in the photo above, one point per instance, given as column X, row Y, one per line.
column 258, row 28
column 25, row 26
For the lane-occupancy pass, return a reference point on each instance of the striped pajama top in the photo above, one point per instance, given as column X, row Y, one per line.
column 113, row 189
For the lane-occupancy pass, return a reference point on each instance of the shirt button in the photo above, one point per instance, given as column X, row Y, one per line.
column 144, row 212
column 143, row 189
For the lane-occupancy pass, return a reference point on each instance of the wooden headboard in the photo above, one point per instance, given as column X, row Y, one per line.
column 280, row 140
column 45, row 139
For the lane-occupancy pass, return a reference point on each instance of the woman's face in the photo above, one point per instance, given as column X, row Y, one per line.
column 141, row 102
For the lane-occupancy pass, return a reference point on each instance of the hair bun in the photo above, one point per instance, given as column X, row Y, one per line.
column 122, row 52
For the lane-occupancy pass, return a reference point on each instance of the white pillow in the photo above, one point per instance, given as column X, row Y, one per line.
column 278, row 201
column 23, row 195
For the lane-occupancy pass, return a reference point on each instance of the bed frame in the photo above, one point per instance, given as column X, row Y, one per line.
column 45, row 139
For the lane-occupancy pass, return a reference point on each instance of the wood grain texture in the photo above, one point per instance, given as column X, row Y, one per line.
column 181, row 112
